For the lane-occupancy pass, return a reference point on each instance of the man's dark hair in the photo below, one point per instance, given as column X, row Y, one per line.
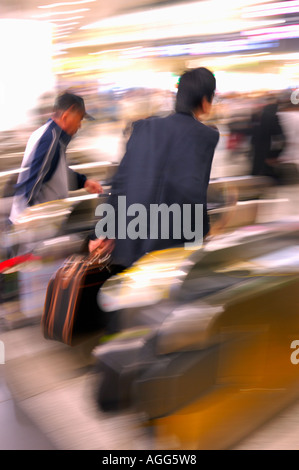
column 194, row 85
column 68, row 100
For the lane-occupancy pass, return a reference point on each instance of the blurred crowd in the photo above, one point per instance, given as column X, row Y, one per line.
column 258, row 126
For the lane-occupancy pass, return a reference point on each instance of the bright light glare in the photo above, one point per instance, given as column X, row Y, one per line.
column 69, row 19
column 11, row 172
column 248, row 82
column 26, row 68
column 53, row 5
column 272, row 9
column 65, row 25
column 202, row 12
column 179, row 21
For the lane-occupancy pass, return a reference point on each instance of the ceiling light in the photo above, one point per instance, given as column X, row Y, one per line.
column 294, row 28
column 47, row 15
column 65, row 25
column 272, row 9
column 53, row 5
column 54, row 20
column 62, row 36
column 60, row 28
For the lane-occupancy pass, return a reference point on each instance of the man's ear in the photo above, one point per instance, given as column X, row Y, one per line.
column 64, row 115
column 206, row 105
column 203, row 110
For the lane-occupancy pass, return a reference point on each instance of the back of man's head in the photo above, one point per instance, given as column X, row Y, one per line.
column 194, row 85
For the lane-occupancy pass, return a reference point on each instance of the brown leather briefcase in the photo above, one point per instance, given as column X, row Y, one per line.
column 71, row 310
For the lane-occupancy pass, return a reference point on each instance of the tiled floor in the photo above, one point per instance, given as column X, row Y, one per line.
column 53, row 386
column 17, row 431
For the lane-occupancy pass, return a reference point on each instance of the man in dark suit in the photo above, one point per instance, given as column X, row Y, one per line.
column 166, row 168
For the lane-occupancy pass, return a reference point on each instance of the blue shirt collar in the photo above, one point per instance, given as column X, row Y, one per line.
column 64, row 136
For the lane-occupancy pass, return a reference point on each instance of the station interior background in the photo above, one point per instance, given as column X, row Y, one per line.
column 125, row 59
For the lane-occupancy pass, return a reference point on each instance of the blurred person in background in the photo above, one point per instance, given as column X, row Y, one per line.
column 288, row 117
column 46, row 176
column 167, row 161
column 268, row 141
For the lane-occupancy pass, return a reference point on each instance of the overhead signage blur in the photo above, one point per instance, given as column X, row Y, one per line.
column 213, row 47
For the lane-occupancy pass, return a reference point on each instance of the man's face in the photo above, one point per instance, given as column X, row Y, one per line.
column 71, row 121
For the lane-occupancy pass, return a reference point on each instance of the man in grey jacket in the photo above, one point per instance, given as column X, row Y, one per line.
column 45, row 175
